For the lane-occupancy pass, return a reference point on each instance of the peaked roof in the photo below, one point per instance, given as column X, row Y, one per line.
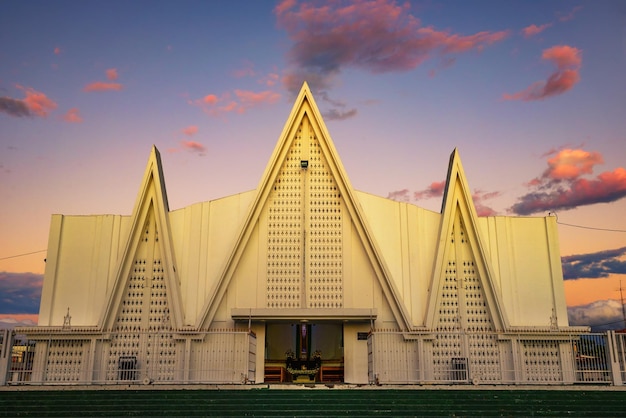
column 457, row 200
column 305, row 106
column 152, row 196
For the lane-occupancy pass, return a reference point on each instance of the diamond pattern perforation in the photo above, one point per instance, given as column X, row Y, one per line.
column 325, row 247
column 284, row 240
column 542, row 361
column 143, row 321
column 305, row 224
column 65, row 361
column 463, row 308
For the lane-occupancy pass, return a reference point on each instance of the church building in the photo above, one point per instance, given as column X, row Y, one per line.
column 303, row 279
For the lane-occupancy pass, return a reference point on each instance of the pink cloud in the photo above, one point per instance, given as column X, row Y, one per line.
column 563, row 56
column 57, row 51
column 479, row 198
column 193, row 146
column 37, row 102
column 283, row 6
column 437, row 188
column 563, row 186
column 111, row 74
column 568, row 61
column 533, row 29
column 230, row 107
column 210, row 99
column 102, row 86
column 190, row 130
column 434, row 190
column 244, row 99
column 250, row 98
column 377, row 36
column 72, row 116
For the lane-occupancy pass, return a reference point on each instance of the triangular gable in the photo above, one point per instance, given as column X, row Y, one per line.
column 306, row 110
column 150, row 212
column 459, row 221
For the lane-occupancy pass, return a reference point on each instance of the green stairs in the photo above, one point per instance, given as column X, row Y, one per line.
column 267, row 402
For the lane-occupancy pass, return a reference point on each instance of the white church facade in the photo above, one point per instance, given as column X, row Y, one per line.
column 303, row 279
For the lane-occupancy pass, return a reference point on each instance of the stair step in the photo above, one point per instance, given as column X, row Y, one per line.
column 333, row 402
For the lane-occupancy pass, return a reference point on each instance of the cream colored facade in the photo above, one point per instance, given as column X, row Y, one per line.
column 411, row 291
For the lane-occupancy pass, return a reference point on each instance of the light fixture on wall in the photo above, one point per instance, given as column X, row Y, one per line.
column 304, row 164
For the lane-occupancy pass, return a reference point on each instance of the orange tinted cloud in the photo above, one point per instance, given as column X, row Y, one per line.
column 111, row 74
column 72, row 116
column 533, row 29
column 569, row 164
column 18, row 320
column 210, row 99
column 568, row 61
column 563, row 56
column 563, row 184
column 57, row 50
column 37, row 102
column 102, row 86
column 190, row 130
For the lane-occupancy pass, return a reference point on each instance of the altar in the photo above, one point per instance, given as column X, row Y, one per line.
column 304, row 370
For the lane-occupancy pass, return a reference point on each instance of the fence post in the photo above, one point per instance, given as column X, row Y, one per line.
column 6, row 348
column 613, row 358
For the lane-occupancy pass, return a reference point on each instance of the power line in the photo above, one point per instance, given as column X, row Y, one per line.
column 582, row 226
column 590, row 227
column 22, row 255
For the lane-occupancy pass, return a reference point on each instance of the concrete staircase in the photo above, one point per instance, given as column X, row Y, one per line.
column 300, row 401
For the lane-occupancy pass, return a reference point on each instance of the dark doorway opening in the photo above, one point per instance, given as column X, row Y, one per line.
column 304, row 352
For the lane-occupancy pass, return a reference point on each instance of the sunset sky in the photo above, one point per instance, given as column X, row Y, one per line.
column 533, row 95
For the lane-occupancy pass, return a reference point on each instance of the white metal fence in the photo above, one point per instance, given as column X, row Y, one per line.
column 229, row 356
column 466, row 358
column 225, row 356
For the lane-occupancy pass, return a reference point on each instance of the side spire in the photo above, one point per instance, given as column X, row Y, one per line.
column 148, row 259
column 460, row 259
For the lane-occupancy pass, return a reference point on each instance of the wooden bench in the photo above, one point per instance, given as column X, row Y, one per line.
column 276, row 374
column 331, row 374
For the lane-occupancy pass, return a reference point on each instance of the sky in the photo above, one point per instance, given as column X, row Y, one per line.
column 532, row 94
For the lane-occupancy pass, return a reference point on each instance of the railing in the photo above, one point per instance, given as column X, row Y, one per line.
column 229, row 356
column 225, row 356
column 496, row 358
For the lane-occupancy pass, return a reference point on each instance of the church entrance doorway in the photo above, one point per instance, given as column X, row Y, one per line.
column 304, row 352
